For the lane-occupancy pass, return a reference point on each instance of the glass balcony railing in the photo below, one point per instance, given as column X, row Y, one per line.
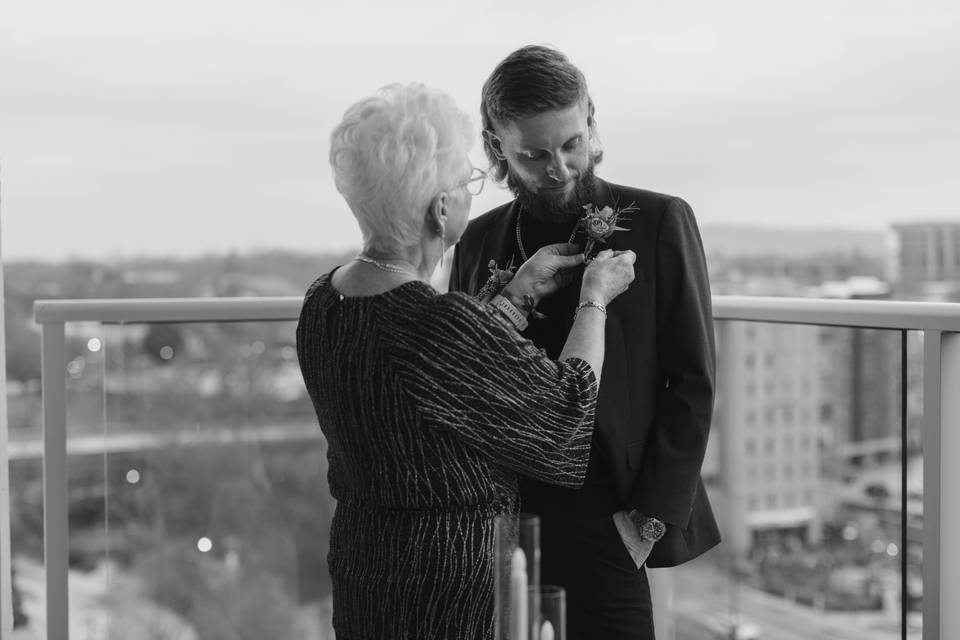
column 178, row 487
column 805, row 471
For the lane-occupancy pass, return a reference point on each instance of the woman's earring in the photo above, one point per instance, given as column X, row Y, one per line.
column 443, row 243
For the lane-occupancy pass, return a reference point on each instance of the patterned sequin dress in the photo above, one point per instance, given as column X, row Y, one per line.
column 431, row 404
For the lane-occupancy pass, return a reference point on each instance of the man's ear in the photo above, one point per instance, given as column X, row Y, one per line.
column 494, row 143
column 437, row 213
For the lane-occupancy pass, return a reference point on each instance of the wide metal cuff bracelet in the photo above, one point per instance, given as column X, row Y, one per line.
column 515, row 315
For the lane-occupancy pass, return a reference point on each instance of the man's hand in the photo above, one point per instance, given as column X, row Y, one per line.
column 637, row 548
column 548, row 270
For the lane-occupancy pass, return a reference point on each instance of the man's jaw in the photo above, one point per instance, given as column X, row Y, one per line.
column 553, row 203
column 558, row 189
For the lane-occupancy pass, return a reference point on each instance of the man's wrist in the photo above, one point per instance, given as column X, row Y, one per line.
column 649, row 528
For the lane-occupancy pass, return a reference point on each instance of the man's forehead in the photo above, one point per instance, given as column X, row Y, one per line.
column 547, row 127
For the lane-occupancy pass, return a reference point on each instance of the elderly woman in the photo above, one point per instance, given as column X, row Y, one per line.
column 432, row 403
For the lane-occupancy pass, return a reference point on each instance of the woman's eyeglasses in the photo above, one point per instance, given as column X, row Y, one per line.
column 474, row 183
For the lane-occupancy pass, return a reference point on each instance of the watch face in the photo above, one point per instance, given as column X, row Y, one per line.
column 653, row 530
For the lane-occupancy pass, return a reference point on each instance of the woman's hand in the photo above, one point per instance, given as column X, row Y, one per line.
column 607, row 276
column 551, row 268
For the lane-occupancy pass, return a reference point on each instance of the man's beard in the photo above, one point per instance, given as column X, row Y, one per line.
column 553, row 208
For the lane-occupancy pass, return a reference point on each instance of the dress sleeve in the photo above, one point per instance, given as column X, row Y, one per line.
column 467, row 370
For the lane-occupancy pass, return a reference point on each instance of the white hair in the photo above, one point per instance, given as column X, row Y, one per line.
column 393, row 153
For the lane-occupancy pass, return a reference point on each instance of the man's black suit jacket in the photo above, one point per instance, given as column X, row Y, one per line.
column 656, row 393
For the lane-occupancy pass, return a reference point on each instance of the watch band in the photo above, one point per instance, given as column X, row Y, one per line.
column 509, row 310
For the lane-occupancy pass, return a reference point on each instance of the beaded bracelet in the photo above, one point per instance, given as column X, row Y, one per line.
column 590, row 303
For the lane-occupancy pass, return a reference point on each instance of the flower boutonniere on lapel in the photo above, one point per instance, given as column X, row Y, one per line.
column 599, row 224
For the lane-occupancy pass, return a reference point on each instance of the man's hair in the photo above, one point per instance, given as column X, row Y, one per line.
column 529, row 81
column 392, row 153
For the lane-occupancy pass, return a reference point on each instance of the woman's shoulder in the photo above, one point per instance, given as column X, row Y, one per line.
column 414, row 304
column 457, row 304
column 318, row 289
column 446, row 314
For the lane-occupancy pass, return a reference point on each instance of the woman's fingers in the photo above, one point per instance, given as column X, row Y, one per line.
column 565, row 249
column 567, row 261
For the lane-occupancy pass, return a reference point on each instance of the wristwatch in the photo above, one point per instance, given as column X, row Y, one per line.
column 650, row 529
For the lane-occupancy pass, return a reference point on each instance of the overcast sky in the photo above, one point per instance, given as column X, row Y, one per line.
column 181, row 127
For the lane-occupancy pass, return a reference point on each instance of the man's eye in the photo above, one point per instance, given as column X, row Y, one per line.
column 573, row 144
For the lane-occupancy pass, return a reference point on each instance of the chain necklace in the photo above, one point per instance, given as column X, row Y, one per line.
column 523, row 254
column 383, row 266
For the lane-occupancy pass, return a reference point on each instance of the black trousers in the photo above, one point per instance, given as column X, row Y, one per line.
column 608, row 598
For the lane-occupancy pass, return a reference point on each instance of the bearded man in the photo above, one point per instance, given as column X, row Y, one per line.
column 643, row 502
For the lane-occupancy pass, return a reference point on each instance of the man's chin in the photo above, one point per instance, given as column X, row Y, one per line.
column 549, row 203
column 557, row 194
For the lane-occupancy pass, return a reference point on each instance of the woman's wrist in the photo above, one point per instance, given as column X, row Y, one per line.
column 592, row 294
column 514, row 313
column 523, row 300
column 590, row 304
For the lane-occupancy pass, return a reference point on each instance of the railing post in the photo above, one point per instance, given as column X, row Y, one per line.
column 948, row 560
column 941, row 483
column 55, row 503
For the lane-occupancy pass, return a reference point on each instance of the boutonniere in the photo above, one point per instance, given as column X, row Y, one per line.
column 499, row 277
column 599, row 224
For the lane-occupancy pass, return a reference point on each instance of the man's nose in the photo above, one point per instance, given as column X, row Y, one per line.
column 558, row 170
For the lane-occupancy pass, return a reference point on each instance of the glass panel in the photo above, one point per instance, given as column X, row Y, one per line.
column 804, row 472
column 199, row 505
column 217, row 502
column 198, row 499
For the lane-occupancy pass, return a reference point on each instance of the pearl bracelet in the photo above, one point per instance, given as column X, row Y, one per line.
column 590, row 303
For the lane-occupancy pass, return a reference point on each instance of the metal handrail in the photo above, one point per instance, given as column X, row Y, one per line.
column 877, row 314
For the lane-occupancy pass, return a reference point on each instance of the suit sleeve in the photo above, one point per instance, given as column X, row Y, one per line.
column 670, row 470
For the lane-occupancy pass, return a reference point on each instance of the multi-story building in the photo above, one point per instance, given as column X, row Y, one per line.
column 797, row 408
column 928, row 258
column 768, row 431
column 861, row 372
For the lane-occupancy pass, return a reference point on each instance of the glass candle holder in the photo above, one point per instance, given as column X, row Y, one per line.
column 516, row 577
column 553, row 613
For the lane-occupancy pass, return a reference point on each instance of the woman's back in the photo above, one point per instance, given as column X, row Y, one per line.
column 380, row 454
column 430, row 405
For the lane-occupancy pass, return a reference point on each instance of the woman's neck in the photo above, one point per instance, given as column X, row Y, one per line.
column 418, row 260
